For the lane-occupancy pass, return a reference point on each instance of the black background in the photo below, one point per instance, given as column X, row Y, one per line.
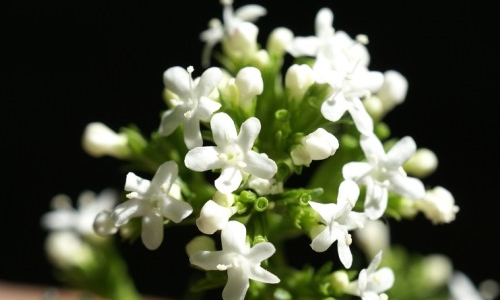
column 67, row 63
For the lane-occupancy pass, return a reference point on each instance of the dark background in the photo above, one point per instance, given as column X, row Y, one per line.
column 67, row 63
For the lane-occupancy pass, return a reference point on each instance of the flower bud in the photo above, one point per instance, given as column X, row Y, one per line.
column 393, row 90
column 298, row 79
column 423, row 163
column 200, row 243
column 320, row 144
column 437, row 270
column 279, row 39
column 373, row 237
column 243, row 40
column 99, row 140
column 103, row 224
column 214, row 217
column 66, row 250
column 300, row 156
column 438, row 205
column 250, row 84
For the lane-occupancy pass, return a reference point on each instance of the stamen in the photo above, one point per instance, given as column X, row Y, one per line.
column 362, row 39
column 222, row 267
column 132, row 195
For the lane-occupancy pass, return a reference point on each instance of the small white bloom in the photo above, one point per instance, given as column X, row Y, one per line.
column 250, row 84
column 320, row 144
column 99, row 140
column 65, row 217
column 264, row 186
column 372, row 283
column 438, row 205
column 373, row 238
column 298, row 79
column 421, row 164
column 214, row 217
column 243, row 41
column 241, row 262
column 233, row 154
column 231, row 19
column 383, row 173
column 151, row 201
column 279, row 39
column 338, row 220
column 66, row 249
column 193, row 104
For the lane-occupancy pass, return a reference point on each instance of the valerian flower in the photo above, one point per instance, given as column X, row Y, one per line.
column 241, row 261
column 372, row 283
column 66, row 218
column 438, row 205
column 383, row 172
column 215, row 213
column 317, row 145
column 151, row 201
column 233, row 154
column 230, row 21
column 192, row 105
column 338, row 219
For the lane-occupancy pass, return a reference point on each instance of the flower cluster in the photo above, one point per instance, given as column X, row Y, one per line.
column 229, row 141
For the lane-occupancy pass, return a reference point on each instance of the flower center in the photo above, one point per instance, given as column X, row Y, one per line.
column 233, row 155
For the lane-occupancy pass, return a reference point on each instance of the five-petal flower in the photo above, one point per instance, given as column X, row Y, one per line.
column 233, row 154
column 338, row 220
column 151, row 201
column 383, row 172
column 192, row 105
column 241, row 262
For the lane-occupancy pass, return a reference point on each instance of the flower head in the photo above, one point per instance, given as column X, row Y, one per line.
column 66, row 218
column 192, row 105
column 151, row 201
column 338, row 220
column 241, row 261
column 231, row 20
column 233, row 154
column 372, row 283
column 383, row 172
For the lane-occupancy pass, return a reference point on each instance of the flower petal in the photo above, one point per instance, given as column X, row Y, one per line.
column 360, row 116
column 170, row 120
column 375, row 200
column 233, row 237
column 324, row 240
column 207, row 260
column 192, row 133
column 164, row 176
column 175, row 210
column 356, row 171
column 248, row 133
column 385, row 280
column 258, row 164
column 260, row 251
column 134, row 183
column 409, row 187
column 250, row 12
column 202, row 159
column 128, row 210
column 178, row 80
column 206, row 107
column 334, row 107
column 401, row 152
column 260, row 274
column 223, row 129
column 344, row 251
column 236, row 286
column 208, row 82
column 229, row 180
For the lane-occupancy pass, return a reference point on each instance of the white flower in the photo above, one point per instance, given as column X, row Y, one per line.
column 320, row 144
column 99, row 140
column 438, row 205
column 338, row 220
column 65, row 217
column 151, row 201
column 193, row 104
column 371, row 282
column 233, row 154
column 383, row 173
column 241, row 262
column 373, row 237
column 231, row 20
column 279, row 39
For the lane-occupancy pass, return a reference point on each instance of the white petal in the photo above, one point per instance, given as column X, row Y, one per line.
column 134, row 183
column 327, row 211
column 229, row 180
column 304, row 46
column 258, row 164
column 374, row 263
column 345, row 254
column 409, row 187
column 323, row 23
column 348, row 193
column 152, row 230
column 207, row 260
column 250, row 12
column 164, row 176
column 385, row 280
column 401, row 152
column 206, row 107
column 223, row 129
column 260, row 274
column 361, row 118
column 175, row 210
column 375, row 200
column 208, row 81
column 202, row 159
column 334, row 108
column 128, row 210
column 192, row 133
column 248, row 133
column 233, row 238
column 260, row 252
column 170, row 120
column 236, row 286
column 213, row 217
column 356, row 171
column 372, row 147
column 60, row 219
column 177, row 80
column 324, row 240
